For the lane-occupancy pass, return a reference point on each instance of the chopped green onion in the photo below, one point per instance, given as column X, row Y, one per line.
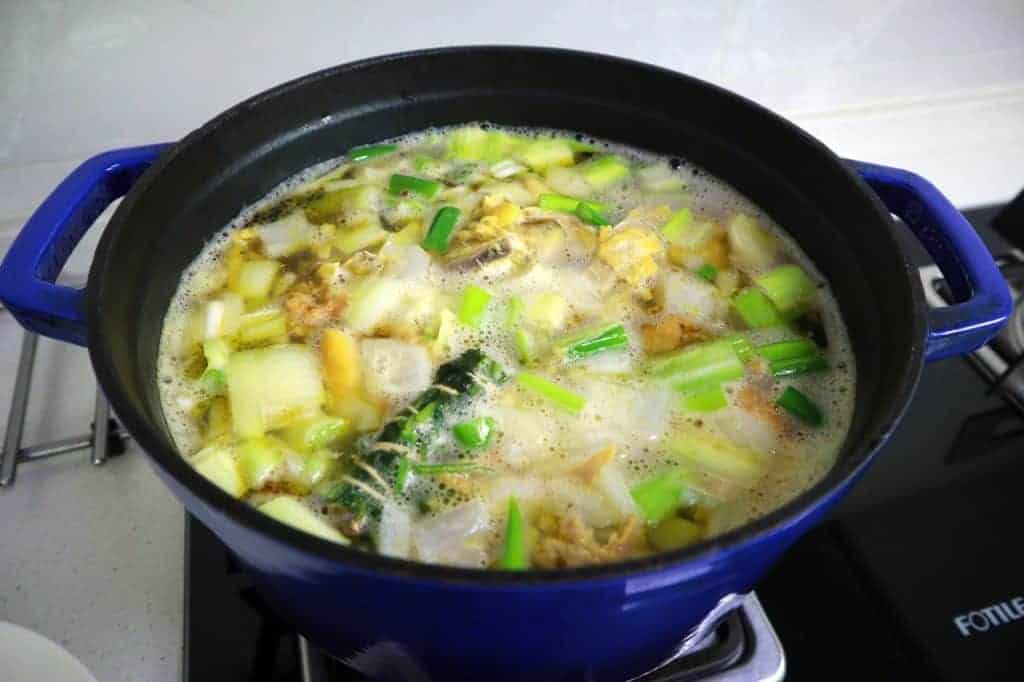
column 787, row 350
column 557, row 202
column 707, row 272
column 677, row 224
column 316, row 433
column 515, row 312
column 402, row 476
column 563, row 397
column 216, row 352
column 800, row 406
column 439, row 236
column 370, row 151
column 399, row 184
column 214, row 381
column 792, row 366
column 594, row 340
column 709, row 451
column 788, row 287
column 700, row 367
column 542, row 154
column 756, row 309
column 744, row 349
column 590, row 215
column 797, row 356
column 447, row 468
column 659, row 496
column 474, row 305
column 513, row 556
column 526, row 348
column 564, row 204
column 708, row 400
column 604, row 171
column 475, row 433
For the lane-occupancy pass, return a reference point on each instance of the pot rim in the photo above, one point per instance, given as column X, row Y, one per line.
column 174, row 464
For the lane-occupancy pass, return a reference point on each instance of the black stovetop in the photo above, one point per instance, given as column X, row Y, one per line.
column 928, row 535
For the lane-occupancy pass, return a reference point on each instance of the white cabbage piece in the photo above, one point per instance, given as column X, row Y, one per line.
column 395, row 371
column 286, row 235
column 688, row 295
column 408, row 262
column 394, row 534
column 454, row 537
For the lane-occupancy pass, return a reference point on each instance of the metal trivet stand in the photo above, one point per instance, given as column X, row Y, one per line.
column 105, row 438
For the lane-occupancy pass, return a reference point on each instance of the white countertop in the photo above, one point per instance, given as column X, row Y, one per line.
column 92, row 557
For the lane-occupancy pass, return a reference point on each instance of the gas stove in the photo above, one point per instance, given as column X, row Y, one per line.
column 916, row 571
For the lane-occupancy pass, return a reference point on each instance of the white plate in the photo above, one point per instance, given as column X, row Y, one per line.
column 27, row 656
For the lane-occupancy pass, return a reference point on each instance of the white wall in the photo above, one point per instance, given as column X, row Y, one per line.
column 932, row 85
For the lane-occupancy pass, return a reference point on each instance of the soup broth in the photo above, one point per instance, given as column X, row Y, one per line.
column 507, row 348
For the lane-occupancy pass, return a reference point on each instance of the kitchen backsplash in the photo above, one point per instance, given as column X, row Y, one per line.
column 932, row 85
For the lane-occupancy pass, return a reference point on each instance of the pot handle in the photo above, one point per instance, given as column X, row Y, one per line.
column 39, row 252
column 983, row 299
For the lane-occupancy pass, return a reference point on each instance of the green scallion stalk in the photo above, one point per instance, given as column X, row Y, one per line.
column 514, row 312
column 742, row 346
column 564, row 204
column 474, row 305
column 562, row 397
column 800, row 406
column 793, row 366
column 708, row 400
column 707, row 272
column 592, row 341
column 604, row 171
column 370, row 151
column 677, row 224
column 214, row 381
column 659, row 496
column 756, row 309
column 700, row 367
column 442, row 227
column 526, row 346
column 401, row 184
column 787, row 350
column 513, row 555
column 475, row 433
column 557, row 202
column 586, row 212
column 446, row 468
column 788, row 287
column 402, row 474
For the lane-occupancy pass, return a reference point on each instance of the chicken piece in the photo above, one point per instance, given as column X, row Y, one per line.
column 758, row 402
column 631, row 254
column 580, row 240
column 569, row 542
column 361, row 264
column 307, row 312
column 647, row 217
column 669, row 333
column 591, row 467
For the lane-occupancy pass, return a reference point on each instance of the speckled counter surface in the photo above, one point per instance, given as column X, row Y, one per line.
column 91, row 557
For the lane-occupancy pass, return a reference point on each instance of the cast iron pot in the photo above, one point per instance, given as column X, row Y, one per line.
column 437, row 623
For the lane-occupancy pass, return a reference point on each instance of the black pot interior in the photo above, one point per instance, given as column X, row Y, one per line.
column 241, row 155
